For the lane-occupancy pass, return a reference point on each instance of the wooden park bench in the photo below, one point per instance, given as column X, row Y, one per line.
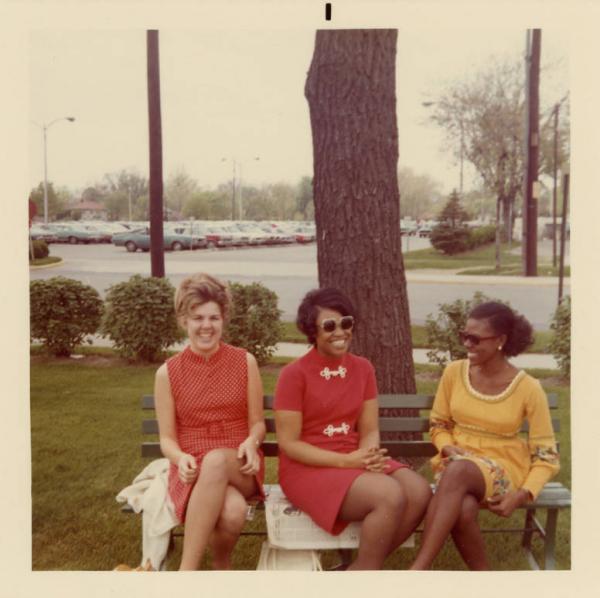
column 551, row 499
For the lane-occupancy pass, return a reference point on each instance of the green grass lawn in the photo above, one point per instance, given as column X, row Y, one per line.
column 85, row 439
column 484, row 256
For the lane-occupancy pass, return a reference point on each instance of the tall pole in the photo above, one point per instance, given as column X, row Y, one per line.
column 45, row 128
column 462, row 149
column 563, row 234
column 233, row 191
column 157, row 254
column 555, row 168
column 532, row 153
column 45, row 178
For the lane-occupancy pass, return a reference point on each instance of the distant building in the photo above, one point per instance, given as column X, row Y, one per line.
column 88, row 210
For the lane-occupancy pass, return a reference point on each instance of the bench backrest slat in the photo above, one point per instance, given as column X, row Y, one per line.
column 387, row 424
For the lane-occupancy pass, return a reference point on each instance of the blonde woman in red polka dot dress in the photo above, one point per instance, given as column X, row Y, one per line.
column 210, row 416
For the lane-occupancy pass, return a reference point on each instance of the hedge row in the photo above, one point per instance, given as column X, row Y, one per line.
column 138, row 316
column 452, row 240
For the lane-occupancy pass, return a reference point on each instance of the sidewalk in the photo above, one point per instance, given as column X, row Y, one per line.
column 526, row 361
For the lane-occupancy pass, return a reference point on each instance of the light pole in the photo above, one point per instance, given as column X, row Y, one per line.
column 44, row 128
column 462, row 144
column 239, row 181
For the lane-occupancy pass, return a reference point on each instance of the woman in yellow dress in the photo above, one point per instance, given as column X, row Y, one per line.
column 477, row 413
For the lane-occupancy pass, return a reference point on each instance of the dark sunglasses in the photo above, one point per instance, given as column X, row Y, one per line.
column 473, row 338
column 330, row 324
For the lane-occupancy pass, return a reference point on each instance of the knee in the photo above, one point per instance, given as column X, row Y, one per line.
column 392, row 498
column 214, row 464
column 233, row 515
column 455, row 475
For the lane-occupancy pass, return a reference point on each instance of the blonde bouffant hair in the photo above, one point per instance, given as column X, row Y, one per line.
column 198, row 289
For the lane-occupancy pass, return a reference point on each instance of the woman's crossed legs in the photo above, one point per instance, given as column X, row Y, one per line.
column 454, row 510
column 216, row 510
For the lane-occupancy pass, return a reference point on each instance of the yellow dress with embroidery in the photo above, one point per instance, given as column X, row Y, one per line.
column 487, row 427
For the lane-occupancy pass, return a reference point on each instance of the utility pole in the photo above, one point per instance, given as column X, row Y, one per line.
column 157, row 250
column 534, row 44
column 563, row 235
column 555, row 168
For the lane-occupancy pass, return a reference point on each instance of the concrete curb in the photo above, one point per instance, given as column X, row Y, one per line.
column 46, row 266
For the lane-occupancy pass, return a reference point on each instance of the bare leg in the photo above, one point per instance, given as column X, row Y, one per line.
column 219, row 469
column 379, row 502
column 229, row 526
column 458, row 480
column 418, row 494
column 468, row 538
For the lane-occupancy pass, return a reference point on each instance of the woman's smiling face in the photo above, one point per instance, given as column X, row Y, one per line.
column 204, row 326
column 332, row 344
column 487, row 348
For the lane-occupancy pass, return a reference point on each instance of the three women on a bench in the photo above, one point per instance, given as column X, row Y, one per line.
column 209, row 408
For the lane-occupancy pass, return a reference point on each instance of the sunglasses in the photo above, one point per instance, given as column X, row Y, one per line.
column 330, row 324
column 473, row 338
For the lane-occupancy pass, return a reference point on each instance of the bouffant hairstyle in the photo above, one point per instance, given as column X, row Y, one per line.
column 503, row 320
column 308, row 311
column 198, row 289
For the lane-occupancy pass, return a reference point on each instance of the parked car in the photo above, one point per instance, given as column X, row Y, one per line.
column 40, row 232
column 74, row 233
column 304, row 234
column 255, row 235
column 239, row 238
column 140, row 239
column 424, row 231
column 215, row 237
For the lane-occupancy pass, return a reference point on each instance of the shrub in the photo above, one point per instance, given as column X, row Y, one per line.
column 63, row 313
column 481, row 236
column 442, row 332
column 450, row 240
column 254, row 322
column 40, row 249
column 560, row 345
column 139, row 317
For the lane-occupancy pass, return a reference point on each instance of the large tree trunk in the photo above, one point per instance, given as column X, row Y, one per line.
column 351, row 94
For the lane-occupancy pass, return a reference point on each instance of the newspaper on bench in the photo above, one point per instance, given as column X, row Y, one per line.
column 290, row 528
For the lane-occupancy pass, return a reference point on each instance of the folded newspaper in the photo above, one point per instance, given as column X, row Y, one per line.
column 290, row 528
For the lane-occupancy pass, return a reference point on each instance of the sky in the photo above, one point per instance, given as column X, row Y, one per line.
column 236, row 95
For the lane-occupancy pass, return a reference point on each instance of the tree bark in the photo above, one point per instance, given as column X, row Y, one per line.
column 350, row 89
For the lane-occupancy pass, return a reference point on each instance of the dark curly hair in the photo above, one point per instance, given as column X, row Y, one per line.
column 308, row 311
column 503, row 320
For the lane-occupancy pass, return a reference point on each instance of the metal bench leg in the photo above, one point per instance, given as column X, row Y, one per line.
column 528, row 533
column 550, row 540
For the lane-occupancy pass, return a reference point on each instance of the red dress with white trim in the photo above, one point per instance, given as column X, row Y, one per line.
column 330, row 393
column 211, row 409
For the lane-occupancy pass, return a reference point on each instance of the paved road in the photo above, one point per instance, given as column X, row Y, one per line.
column 291, row 271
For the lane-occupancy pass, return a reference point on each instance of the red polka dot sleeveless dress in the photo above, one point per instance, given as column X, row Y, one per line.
column 211, row 409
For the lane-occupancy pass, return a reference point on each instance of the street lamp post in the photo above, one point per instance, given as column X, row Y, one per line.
column 239, row 184
column 44, row 128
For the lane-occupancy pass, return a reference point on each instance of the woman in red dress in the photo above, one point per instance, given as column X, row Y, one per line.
column 330, row 463
column 209, row 406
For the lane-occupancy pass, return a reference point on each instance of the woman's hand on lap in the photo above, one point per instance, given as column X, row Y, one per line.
column 369, row 458
column 247, row 452
column 504, row 504
column 449, row 450
column 188, row 469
